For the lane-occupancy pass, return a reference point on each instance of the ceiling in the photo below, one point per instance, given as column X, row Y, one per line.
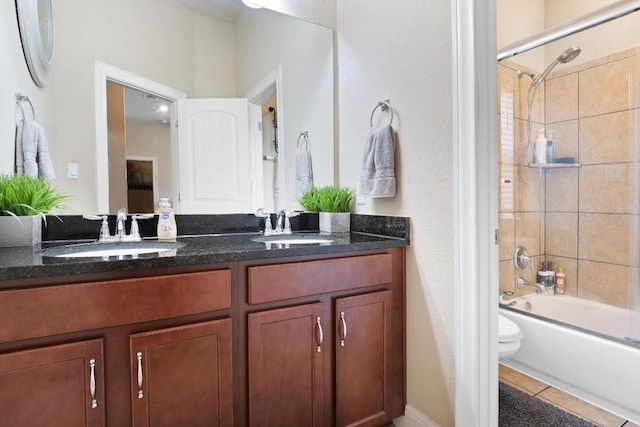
column 140, row 106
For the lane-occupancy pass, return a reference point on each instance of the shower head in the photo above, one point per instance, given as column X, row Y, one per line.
column 566, row 56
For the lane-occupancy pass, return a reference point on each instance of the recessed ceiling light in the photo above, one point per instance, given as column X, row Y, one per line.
column 251, row 5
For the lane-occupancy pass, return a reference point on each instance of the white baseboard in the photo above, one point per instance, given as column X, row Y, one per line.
column 414, row 418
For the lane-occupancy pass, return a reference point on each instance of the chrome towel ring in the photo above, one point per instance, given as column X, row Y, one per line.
column 384, row 106
column 20, row 100
column 305, row 135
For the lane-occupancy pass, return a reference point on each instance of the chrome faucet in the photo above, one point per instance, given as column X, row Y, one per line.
column 121, row 233
column 283, row 225
column 540, row 288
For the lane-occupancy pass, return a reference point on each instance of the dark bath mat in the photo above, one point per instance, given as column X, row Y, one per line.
column 518, row 409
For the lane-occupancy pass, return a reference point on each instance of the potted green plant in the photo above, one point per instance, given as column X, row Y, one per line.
column 24, row 203
column 333, row 205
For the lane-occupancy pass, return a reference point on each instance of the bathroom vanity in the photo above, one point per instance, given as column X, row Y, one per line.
column 225, row 332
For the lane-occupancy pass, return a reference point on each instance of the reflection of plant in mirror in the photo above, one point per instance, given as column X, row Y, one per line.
column 327, row 199
column 22, row 195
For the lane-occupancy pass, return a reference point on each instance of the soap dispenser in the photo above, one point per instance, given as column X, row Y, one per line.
column 167, row 229
column 541, row 147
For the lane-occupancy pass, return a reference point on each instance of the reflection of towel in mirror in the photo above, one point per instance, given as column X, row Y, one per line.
column 377, row 176
column 304, row 171
column 32, row 152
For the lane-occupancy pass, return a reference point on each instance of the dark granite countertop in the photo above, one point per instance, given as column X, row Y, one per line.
column 368, row 233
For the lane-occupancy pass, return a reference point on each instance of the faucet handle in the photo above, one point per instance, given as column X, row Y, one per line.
column 134, row 233
column 260, row 213
column 287, row 223
column 521, row 258
column 105, row 235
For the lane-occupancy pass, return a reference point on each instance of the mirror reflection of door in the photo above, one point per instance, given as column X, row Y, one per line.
column 138, row 128
column 142, row 183
column 270, row 153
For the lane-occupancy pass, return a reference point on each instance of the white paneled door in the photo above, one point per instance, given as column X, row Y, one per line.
column 216, row 159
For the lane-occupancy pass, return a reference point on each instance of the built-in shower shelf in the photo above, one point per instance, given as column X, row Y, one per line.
column 555, row 165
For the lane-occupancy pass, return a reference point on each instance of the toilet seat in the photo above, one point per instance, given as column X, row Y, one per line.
column 508, row 331
column 509, row 336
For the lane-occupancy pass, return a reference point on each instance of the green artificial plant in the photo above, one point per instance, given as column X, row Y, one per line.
column 22, row 195
column 327, row 199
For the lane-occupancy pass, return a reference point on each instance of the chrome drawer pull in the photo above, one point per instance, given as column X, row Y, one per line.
column 92, row 383
column 319, row 335
column 140, row 394
column 343, row 329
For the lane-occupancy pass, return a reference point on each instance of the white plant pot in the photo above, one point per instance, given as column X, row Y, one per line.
column 20, row 231
column 335, row 222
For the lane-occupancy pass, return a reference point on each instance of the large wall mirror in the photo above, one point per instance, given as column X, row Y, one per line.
column 203, row 49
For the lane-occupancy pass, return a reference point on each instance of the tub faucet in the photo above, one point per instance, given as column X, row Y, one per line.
column 540, row 288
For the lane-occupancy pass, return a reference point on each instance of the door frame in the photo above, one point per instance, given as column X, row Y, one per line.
column 476, row 212
column 256, row 96
column 104, row 72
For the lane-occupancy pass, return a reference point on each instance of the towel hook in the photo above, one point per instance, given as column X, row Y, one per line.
column 20, row 100
column 384, row 106
column 305, row 135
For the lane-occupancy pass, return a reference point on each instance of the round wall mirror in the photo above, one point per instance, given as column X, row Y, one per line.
column 37, row 31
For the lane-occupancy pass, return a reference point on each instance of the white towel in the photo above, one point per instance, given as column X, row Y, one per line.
column 304, row 170
column 32, row 152
column 377, row 176
column 45, row 165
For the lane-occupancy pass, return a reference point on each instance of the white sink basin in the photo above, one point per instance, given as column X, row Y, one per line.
column 299, row 241
column 105, row 250
column 302, row 239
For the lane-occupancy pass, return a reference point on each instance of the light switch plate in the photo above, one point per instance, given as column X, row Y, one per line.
column 73, row 170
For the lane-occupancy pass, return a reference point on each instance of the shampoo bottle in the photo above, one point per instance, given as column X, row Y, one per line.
column 541, row 147
column 167, row 229
column 561, row 285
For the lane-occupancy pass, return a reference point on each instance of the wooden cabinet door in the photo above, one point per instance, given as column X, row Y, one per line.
column 183, row 376
column 59, row 385
column 286, row 362
column 363, row 359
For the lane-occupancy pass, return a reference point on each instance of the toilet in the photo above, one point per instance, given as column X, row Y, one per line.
column 509, row 336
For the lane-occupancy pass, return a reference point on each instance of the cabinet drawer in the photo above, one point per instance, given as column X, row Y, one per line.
column 277, row 282
column 61, row 309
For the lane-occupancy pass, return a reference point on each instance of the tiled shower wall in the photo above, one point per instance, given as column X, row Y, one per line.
column 587, row 219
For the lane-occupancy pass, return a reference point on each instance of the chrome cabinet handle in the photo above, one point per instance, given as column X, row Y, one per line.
column 320, row 335
column 343, row 329
column 139, row 357
column 92, row 383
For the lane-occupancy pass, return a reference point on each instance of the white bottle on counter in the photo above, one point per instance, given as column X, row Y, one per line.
column 561, row 285
column 541, row 147
column 167, row 229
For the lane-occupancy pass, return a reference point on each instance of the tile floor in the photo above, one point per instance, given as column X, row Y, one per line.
column 561, row 399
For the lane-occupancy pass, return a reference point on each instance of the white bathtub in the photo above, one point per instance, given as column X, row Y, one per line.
column 602, row 371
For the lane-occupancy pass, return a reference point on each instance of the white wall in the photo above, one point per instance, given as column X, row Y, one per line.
column 267, row 40
column 152, row 139
column 16, row 78
column 322, row 12
column 403, row 51
column 597, row 42
column 517, row 20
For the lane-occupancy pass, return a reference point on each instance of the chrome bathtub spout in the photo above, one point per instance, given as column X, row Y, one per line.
column 540, row 288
